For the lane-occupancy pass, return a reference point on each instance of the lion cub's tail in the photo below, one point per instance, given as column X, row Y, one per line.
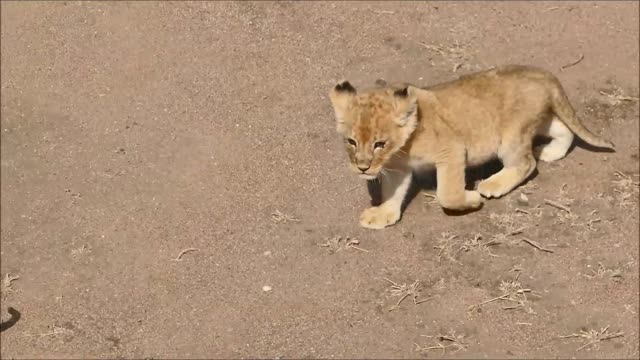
column 564, row 110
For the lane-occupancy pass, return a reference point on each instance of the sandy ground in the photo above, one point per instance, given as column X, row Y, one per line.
column 133, row 131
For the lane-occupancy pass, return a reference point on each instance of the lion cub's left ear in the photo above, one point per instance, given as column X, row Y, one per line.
column 406, row 105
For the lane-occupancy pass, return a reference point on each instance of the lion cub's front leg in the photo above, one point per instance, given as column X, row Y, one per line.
column 395, row 185
column 451, row 193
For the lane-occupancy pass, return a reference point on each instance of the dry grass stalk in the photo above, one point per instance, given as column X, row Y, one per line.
column 279, row 217
column 405, row 291
column 383, row 12
column 594, row 337
column 573, row 63
column 625, row 188
column 445, row 342
column 475, row 243
column 8, row 279
column 557, row 206
column 617, row 96
column 339, row 243
column 509, row 223
column 7, row 283
column 602, row 271
column 536, row 245
column 455, row 54
column 79, row 251
column 185, row 251
column 446, row 245
column 55, row 330
column 513, row 292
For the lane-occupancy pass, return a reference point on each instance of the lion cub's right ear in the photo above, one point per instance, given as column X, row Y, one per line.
column 341, row 96
column 406, row 105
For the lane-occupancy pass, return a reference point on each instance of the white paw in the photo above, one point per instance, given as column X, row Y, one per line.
column 379, row 217
column 548, row 153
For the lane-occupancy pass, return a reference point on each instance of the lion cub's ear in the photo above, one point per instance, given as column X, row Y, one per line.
column 406, row 105
column 341, row 96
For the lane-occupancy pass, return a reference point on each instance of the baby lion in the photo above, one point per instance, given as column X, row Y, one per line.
column 391, row 130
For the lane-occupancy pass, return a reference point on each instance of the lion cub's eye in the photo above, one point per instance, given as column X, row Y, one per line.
column 351, row 141
column 379, row 145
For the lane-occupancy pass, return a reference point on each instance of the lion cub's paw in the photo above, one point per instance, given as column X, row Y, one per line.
column 473, row 199
column 491, row 188
column 379, row 217
column 549, row 153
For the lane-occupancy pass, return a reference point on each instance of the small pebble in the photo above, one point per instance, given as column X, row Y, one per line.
column 267, row 253
column 266, row 288
column 523, row 200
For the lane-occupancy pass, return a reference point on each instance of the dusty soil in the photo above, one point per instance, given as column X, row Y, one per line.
column 133, row 131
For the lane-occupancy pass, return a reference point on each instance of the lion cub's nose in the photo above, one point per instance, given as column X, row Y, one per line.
column 363, row 168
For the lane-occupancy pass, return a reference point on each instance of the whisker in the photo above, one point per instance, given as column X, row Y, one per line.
column 385, row 175
column 393, row 170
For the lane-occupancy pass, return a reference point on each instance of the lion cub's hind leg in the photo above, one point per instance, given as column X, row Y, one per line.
column 561, row 140
column 518, row 163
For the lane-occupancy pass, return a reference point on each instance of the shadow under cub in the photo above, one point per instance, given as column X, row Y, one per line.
column 426, row 179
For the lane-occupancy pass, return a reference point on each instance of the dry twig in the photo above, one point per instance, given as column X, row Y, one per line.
column 557, row 206
column 617, row 96
column 445, row 242
column 536, row 245
column 188, row 250
column 445, row 342
column 573, row 63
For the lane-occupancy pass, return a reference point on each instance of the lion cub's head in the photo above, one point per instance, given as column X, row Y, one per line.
column 375, row 124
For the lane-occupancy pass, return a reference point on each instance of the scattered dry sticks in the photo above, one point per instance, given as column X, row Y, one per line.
column 279, row 217
column 617, row 96
column 557, row 206
column 79, row 251
column 55, row 330
column 405, row 291
column 614, row 274
column 475, row 243
column 593, row 336
column 445, row 242
column 7, row 282
column 536, row 245
column 8, row 279
column 338, row 243
column 454, row 54
column 573, row 63
column 179, row 257
column 511, row 291
column 445, row 342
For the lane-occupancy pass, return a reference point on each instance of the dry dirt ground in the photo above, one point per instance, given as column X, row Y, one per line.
column 132, row 132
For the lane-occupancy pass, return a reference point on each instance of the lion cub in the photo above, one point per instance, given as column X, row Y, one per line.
column 392, row 130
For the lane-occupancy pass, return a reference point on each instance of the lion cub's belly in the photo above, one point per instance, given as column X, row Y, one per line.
column 482, row 151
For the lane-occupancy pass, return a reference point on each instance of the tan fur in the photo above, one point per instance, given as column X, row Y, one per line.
column 453, row 125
